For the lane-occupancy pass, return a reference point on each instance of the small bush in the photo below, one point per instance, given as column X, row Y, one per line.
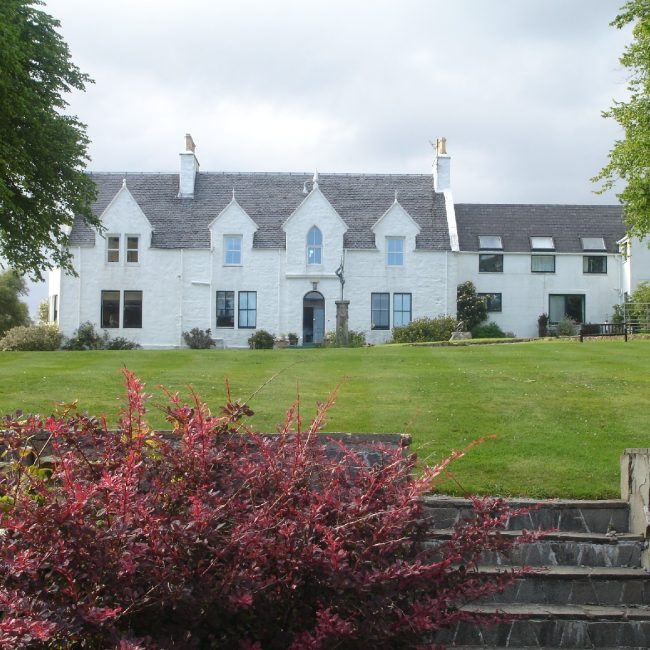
column 86, row 338
column 489, row 331
column 542, row 325
column 261, row 340
column 422, row 330
column 566, row 327
column 356, row 339
column 214, row 539
column 293, row 338
column 31, row 337
column 198, row 339
column 120, row 343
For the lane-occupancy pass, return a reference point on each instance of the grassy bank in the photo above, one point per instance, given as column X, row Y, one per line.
column 562, row 412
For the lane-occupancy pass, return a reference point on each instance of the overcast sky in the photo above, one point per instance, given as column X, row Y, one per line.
column 516, row 86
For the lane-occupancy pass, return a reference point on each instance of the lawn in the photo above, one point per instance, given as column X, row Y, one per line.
column 562, row 411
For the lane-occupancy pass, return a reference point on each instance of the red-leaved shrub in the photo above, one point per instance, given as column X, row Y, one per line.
column 220, row 537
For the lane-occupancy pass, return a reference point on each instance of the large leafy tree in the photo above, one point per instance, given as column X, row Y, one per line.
column 43, row 151
column 13, row 311
column 629, row 159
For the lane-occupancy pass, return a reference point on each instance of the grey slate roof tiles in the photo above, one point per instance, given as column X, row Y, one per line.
column 360, row 200
column 270, row 199
column 516, row 223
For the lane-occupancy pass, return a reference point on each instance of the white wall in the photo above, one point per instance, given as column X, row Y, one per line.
column 525, row 295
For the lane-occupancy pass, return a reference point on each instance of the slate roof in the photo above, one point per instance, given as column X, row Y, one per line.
column 270, row 199
column 516, row 223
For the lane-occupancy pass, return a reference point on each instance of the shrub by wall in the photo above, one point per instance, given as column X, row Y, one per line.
column 31, row 337
column 198, row 339
column 261, row 340
column 422, row 330
column 121, row 539
column 489, row 331
column 86, row 338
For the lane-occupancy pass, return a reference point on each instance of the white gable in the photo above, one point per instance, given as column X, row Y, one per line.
column 233, row 216
column 396, row 220
column 124, row 215
column 317, row 209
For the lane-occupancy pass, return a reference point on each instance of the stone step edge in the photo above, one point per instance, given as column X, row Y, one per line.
column 552, row 536
column 564, row 572
column 536, row 612
column 523, row 502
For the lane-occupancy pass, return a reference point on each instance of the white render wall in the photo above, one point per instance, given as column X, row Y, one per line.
column 636, row 266
column 525, row 295
column 179, row 286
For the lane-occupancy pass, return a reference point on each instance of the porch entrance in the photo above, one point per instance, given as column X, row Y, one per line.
column 313, row 318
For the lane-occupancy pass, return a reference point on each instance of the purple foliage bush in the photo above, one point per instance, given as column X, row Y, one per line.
column 221, row 537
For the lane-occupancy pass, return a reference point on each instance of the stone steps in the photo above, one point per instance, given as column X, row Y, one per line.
column 563, row 548
column 587, row 588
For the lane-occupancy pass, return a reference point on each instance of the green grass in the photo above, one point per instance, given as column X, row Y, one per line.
column 562, row 412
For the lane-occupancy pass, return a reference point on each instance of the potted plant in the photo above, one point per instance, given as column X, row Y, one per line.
column 293, row 339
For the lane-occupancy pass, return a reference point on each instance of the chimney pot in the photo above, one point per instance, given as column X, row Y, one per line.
column 189, row 167
column 441, row 167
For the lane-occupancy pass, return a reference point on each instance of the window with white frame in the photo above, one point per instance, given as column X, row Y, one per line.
column 401, row 309
column 542, row 263
column 132, row 249
column 395, row 251
column 314, row 246
column 232, row 245
column 113, row 249
column 380, row 311
column 247, row 317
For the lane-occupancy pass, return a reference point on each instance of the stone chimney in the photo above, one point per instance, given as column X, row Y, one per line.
column 189, row 167
column 441, row 167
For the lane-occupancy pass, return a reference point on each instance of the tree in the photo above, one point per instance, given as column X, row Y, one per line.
column 471, row 309
column 13, row 311
column 43, row 153
column 629, row 159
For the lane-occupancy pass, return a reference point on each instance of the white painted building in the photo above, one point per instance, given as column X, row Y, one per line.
column 238, row 252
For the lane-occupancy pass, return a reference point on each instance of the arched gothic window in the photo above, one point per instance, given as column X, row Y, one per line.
column 314, row 246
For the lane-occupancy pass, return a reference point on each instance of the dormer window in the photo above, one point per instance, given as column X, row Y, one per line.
column 593, row 243
column 113, row 249
column 395, row 251
column 542, row 244
column 314, row 246
column 232, row 250
column 132, row 249
column 490, row 243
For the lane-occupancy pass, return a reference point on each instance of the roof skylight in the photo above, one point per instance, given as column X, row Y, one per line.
column 593, row 243
column 542, row 244
column 490, row 242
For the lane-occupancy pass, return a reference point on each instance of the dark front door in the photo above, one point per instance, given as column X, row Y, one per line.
column 313, row 318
